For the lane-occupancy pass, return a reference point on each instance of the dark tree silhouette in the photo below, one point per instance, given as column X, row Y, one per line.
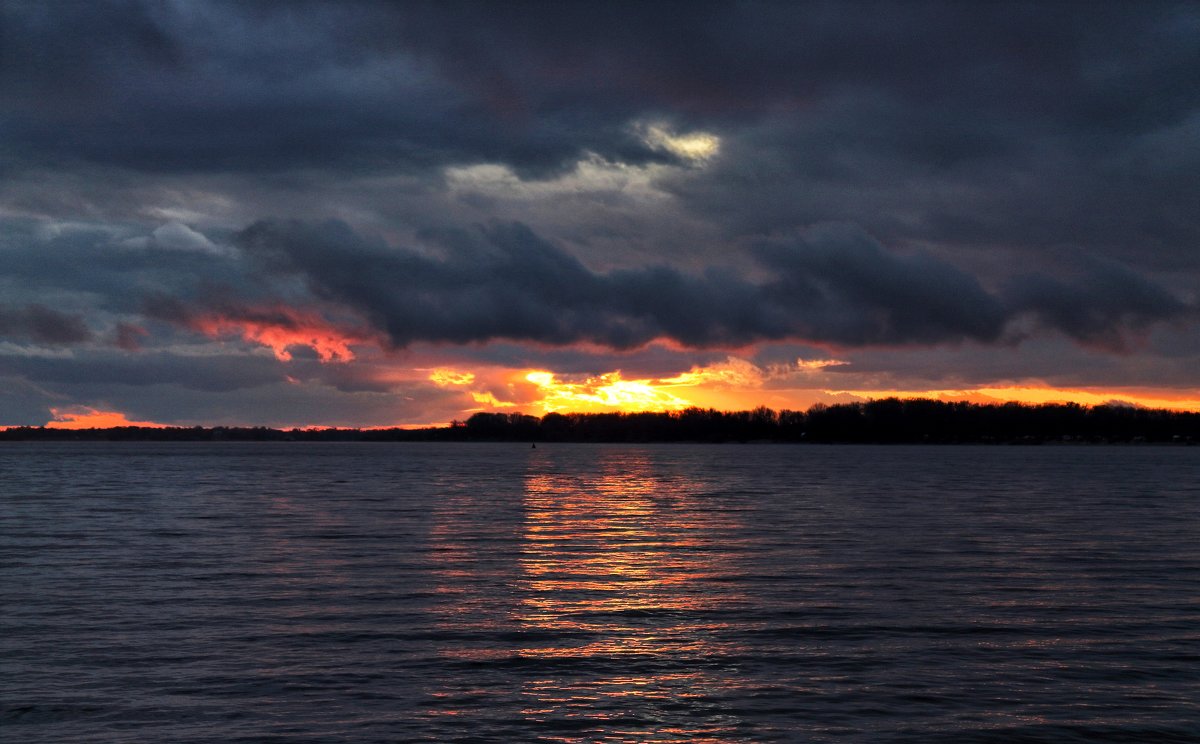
column 885, row 421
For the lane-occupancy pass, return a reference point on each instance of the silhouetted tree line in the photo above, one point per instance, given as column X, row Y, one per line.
column 889, row 420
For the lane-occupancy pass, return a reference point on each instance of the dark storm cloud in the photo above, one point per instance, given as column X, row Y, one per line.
column 226, row 86
column 843, row 286
column 943, row 125
column 503, row 283
column 42, row 325
column 832, row 284
column 1021, row 125
column 507, row 283
column 277, row 85
column 1102, row 307
column 963, row 179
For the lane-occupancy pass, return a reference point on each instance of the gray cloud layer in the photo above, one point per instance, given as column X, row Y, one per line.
column 42, row 325
column 831, row 284
column 1016, row 176
column 1003, row 125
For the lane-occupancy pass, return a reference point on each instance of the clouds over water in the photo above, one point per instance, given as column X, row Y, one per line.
column 921, row 177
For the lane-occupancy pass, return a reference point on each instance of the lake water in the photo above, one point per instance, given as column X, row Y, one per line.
column 595, row 593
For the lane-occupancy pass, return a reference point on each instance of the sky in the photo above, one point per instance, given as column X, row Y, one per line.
column 399, row 214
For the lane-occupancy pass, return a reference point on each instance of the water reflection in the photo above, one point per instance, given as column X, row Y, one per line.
column 622, row 592
column 471, row 555
column 294, row 559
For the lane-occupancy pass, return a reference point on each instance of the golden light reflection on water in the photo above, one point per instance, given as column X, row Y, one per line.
column 605, row 590
column 619, row 567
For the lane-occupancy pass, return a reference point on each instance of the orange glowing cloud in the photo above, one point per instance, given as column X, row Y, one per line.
column 281, row 327
column 489, row 400
column 733, row 383
column 733, row 372
column 445, row 377
column 83, row 417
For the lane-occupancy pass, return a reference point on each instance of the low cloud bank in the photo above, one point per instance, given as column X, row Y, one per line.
column 832, row 284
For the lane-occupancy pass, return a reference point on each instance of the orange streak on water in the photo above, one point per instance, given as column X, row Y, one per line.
column 616, row 566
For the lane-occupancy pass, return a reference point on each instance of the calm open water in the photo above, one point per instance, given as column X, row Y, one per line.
column 588, row 593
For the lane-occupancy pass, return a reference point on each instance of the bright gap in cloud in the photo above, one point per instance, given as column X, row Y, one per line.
column 603, row 393
column 696, row 147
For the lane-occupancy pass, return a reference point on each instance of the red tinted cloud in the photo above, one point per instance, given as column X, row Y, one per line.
column 281, row 327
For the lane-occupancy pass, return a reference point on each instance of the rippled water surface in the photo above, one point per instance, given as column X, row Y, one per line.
column 579, row 593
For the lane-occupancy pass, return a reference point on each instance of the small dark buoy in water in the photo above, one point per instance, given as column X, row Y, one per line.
column 533, row 445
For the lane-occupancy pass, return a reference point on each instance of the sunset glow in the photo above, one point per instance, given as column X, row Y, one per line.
column 738, row 384
column 699, row 208
column 577, row 372
column 451, row 377
column 606, row 392
column 611, row 393
column 82, row 417
column 1038, row 396
column 724, row 387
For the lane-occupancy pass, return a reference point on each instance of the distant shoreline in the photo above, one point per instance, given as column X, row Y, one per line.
column 886, row 421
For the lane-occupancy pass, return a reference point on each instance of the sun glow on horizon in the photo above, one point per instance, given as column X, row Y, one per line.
column 734, row 384
column 85, row 417
column 739, row 384
column 544, row 392
column 606, row 392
